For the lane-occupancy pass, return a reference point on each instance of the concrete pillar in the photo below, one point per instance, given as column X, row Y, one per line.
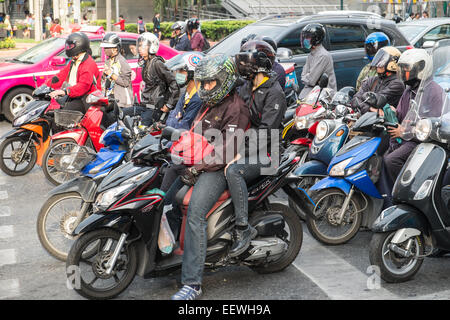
column 77, row 11
column 108, row 15
column 38, row 20
column 56, row 10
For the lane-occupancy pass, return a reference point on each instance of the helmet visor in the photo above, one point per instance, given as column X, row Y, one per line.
column 244, row 61
column 371, row 49
column 381, row 59
column 408, row 72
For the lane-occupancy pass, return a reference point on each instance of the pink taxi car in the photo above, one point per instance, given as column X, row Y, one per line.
column 45, row 60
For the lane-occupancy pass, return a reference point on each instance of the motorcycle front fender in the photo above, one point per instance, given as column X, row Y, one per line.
column 311, row 168
column 400, row 216
column 102, row 220
column 332, row 182
column 84, row 186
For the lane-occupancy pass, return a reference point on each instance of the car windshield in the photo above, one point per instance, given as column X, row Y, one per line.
column 40, row 51
column 232, row 44
column 411, row 31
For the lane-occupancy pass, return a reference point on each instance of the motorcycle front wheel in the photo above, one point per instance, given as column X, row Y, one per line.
column 326, row 228
column 88, row 276
column 14, row 159
column 395, row 268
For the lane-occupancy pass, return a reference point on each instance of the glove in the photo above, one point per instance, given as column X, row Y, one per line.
column 189, row 177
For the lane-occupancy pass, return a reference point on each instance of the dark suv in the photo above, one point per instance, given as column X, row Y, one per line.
column 346, row 33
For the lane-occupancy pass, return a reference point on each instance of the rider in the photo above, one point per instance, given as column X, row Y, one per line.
column 374, row 42
column 415, row 68
column 267, row 103
column 179, row 39
column 225, row 112
column 318, row 62
column 160, row 83
column 116, row 79
column 276, row 67
column 80, row 74
column 385, row 82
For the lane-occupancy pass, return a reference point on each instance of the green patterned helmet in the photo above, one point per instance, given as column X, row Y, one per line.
column 220, row 68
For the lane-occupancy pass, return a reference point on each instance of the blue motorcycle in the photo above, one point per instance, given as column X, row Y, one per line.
column 331, row 134
column 69, row 203
column 349, row 190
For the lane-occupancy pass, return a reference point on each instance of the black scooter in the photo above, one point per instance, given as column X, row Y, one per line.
column 120, row 239
column 420, row 221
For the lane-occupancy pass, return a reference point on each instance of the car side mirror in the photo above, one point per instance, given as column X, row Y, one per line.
column 57, row 61
column 284, row 53
column 323, row 81
column 428, row 44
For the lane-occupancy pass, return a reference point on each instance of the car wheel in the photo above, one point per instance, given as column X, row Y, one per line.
column 15, row 100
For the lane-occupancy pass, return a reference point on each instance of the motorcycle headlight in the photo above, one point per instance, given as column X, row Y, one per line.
column 322, row 130
column 105, row 199
column 338, row 170
column 302, row 122
column 27, row 116
column 423, row 129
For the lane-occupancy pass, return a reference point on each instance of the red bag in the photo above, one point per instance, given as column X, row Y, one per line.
column 192, row 147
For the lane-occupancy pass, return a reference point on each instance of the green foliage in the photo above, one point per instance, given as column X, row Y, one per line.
column 7, row 43
column 86, row 4
column 213, row 30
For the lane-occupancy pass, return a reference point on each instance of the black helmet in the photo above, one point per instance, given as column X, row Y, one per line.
column 193, row 23
column 255, row 56
column 111, row 40
column 312, row 35
column 270, row 41
column 220, row 68
column 249, row 37
column 76, row 43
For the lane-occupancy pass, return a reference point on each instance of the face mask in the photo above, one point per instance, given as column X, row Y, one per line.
column 181, row 79
column 307, row 43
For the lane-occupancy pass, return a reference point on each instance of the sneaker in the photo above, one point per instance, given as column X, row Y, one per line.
column 242, row 240
column 187, row 293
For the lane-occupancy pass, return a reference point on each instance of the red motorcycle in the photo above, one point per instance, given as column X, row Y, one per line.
column 73, row 148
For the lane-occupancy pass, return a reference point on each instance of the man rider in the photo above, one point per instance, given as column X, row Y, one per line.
column 318, row 62
column 160, row 85
column 80, row 74
column 179, row 39
column 267, row 104
column 225, row 112
column 374, row 42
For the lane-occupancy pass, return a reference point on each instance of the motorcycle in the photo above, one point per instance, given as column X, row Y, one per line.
column 69, row 203
column 61, row 161
column 332, row 133
column 26, row 143
column 419, row 221
column 125, row 225
column 349, row 190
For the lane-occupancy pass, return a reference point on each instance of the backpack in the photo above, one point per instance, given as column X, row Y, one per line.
column 206, row 44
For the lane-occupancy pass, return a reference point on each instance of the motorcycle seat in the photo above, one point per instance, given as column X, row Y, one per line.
column 187, row 196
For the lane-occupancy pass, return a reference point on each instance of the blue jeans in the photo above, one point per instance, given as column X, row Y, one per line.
column 238, row 175
column 207, row 190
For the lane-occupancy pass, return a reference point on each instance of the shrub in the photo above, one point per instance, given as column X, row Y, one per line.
column 7, row 43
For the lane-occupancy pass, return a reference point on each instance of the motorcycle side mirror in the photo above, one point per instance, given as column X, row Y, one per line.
column 323, row 81
column 170, row 134
column 128, row 122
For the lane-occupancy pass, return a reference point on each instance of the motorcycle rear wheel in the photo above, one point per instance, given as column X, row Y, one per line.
column 325, row 229
column 394, row 268
column 78, row 267
column 29, row 158
column 295, row 234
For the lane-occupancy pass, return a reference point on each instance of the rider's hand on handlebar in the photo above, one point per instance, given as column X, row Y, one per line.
column 395, row 132
column 57, row 93
column 381, row 112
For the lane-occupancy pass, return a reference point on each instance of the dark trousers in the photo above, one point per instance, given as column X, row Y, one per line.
column 145, row 113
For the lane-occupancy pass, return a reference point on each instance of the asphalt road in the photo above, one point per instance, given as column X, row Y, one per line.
column 319, row 272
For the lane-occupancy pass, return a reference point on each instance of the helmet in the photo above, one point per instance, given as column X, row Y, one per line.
column 179, row 25
column 249, row 37
column 111, row 40
column 77, row 43
column 387, row 58
column 312, row 35
column 255, row 56
column 220, row 68
column 414, row 66
column 270, row 41
column 374, row 42
column 150, row 40
column 187, row 61
column 193, row 23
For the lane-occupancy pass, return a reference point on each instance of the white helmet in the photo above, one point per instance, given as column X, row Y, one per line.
column 150, row 41
column 414, row 65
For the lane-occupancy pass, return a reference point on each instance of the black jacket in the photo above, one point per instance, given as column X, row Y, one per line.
column 391, row 87
column 267, row 105
column 159, row 81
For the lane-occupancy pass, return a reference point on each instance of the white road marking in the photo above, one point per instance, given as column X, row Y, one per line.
column 3, row 195
column 7, row 256
column 6, row 232
column 5, row 211
column 9, row 288
column 336, row 277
